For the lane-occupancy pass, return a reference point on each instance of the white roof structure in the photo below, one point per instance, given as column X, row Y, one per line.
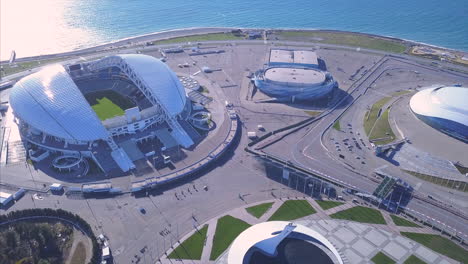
column 50, row 101
column 445, row 102
column 258, row 234
column 162, row 81
column 304, row 57
column 295, row 75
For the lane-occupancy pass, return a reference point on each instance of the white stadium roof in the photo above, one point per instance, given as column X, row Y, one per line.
column 50, row 101
column 256, row 234
column 445, row 102
column 162, row 81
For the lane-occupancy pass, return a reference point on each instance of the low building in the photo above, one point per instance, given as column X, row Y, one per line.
column 5, row 198
column 297, row 58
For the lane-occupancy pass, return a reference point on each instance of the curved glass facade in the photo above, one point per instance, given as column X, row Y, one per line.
column 451, row 128
column 443, row 108
column 297, row 91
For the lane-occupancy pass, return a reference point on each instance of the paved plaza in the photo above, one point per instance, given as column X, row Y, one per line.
column 356, row 242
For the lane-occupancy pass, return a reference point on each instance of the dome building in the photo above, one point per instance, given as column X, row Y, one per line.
column 293, row 75
column 89, row 109
column 282, row 242
column 443, row 108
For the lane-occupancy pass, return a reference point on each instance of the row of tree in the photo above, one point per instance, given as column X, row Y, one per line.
column 70, row 218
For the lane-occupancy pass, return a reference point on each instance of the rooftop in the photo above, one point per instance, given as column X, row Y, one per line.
column 293, row 75
column 293, row 56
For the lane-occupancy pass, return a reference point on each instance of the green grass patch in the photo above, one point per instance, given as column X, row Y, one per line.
column 259, row 210
column 118, row 99
column 108, row 103
column 227, row 229
column 382, row 129
column 312, row 113
column 402, row 222
column 361, row 214
column 396, row 94
column 192, row 247
column 347, row 39
column 106, row 109
column 440, row 245
column 79, row 255
column 372, row 115
column 292, row 209
column 414, row 260
column 8, row 69
column 197, row 38
column 381, row 258
column 328, row 204
column 337, row 125
column 452, row 184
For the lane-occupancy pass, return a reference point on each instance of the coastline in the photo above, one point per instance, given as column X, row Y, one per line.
column 184, row 32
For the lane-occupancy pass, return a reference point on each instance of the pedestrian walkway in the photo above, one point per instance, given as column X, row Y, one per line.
column 356, row 242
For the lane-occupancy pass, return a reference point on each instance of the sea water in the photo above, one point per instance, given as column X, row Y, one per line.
column 34, row 27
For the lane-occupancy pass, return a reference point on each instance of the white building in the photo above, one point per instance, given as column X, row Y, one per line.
column 54, row 115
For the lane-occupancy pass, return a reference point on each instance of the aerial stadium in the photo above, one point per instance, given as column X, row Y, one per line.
column 294, row 75
column 103, row 111
column 443, row 108
column 282, row 242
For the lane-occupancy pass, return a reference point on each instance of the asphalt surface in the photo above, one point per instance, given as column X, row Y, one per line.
column 173, row 211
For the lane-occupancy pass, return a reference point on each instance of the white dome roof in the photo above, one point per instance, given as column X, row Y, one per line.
column 162, row 81
column 445, row 102
column 50, row 101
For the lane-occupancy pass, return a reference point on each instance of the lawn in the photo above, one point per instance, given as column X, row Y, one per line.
column 106, row 109
column 440, row 245
column 414, row 260
column 259, row 210
column 403, row 92
column 192, row 247
column 336, row 125
column 382, row 129
column 328, row 204
column 7, row 69
column 361, row 214
column 347, row 39
column 312, row 113
column 402, row 222
column 227, row 229
column 452, row 184
column 373, row 114
column 381, row 258
column 197, row 38
column 292, row 209
column 79, row 255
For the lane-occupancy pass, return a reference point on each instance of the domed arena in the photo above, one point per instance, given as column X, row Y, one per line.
column 101, row 110
column 294, row 75
column 443, row 108
column 282, row 242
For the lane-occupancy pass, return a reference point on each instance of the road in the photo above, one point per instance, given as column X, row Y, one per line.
column 309, row 151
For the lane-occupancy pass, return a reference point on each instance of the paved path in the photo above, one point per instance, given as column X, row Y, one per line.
column 374, row 237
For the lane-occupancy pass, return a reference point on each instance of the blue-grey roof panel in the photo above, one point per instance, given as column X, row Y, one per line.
column 50, row 101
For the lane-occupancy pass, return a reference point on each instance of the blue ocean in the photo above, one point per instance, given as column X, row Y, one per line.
column 40, row 27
